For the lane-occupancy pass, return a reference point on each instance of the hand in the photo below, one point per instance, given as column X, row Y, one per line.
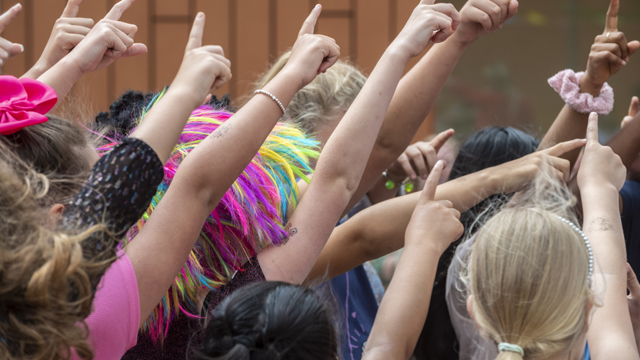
column 634, row 109
column 204, row 69
column 600, row 166
column 515, row 175
column 7, row 48
column 311, row 54
column 633, row 299
column 427, row 23
column 609, row 53
column 108, row 41
column 419, row 157
column 67, row 33
column 434, row 224
column 479, row 17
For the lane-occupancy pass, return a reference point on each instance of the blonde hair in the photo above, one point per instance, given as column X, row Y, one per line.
column 45, row 288
column 327, row 95
column 528, row 274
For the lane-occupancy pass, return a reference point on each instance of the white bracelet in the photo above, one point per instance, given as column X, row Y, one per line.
column 263, row 92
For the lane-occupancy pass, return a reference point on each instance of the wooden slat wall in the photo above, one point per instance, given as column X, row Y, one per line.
column 252, row 33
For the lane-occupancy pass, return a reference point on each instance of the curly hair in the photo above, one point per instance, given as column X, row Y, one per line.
column 45, row 292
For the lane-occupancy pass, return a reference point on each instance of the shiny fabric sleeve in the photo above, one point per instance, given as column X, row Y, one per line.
column 116, row 194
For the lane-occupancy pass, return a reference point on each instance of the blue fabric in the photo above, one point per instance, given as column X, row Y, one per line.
column 357, row 303
column 630, row 194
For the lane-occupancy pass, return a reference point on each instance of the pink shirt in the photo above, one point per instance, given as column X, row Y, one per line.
column 113, row 324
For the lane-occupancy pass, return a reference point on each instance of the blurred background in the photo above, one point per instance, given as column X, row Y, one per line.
column 501, row 79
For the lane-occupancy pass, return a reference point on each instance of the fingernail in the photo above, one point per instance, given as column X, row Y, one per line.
column 440, row 163
column 424, row 177
column 317, row 6
column 412, row 177
column 624, row 63
column 21, row 47
column 16, row 6
column 200, row 15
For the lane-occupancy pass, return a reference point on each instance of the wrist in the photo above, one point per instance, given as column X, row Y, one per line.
column 589, row 86
column 397, row 52
column 36, row 70
column 185, row 95
column 598, row 193
column 459, row 41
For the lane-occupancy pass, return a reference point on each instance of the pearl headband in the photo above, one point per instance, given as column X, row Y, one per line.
column 587, row 243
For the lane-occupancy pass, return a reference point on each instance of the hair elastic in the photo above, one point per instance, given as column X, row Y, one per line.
column 510, row 348
column 587, row 243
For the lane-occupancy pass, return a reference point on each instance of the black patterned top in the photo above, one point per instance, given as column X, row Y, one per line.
column 116, row 194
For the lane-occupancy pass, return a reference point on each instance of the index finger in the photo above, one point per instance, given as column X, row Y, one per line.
column 592, row 128
column 310, row 23
column 441, row 139
column 563, row 147
column 611, row 23
column 429, row 191
column 118, row 9
column 72, row 9
column 197, row 31
column 9, row 15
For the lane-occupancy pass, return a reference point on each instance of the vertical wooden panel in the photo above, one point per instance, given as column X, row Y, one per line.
column 45, row 15
column 335, row 4
column 172, row 40
column 373, row 23
column 339, row 30
column 253, row 42
column 15, row 32
column 131, row 73
column 291, row 15
column 217, row 29
column 172, row 7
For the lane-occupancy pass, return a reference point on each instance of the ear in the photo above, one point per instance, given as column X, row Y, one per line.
column 587, row 318
column 57, row 210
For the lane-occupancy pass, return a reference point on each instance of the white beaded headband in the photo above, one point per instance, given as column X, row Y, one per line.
column 587, row 243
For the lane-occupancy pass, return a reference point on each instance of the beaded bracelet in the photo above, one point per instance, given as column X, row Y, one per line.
column 264, row 92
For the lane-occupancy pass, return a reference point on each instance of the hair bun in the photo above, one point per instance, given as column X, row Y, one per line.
column 245, row 340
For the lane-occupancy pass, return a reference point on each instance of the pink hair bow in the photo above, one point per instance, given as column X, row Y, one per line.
column 23, row 102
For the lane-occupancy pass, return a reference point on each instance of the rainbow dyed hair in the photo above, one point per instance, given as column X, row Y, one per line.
column 250, row 216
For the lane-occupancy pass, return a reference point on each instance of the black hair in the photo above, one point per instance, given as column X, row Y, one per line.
column 488, row 147
column 125, row 112
column 269, row 321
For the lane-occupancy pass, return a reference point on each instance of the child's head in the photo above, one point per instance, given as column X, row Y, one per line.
column 319, row 106
column 58, row 149
column 271, row 320
column 45, row 292
column 528, row 275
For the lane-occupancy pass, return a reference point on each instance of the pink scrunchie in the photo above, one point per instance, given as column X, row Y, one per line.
column 567, row 84
column 23, row 102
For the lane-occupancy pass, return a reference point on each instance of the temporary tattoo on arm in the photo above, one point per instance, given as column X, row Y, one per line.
column 600, row 224
column 221, row 131
column 290, row 232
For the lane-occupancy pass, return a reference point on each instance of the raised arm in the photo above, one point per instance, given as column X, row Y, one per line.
column 626, row 142
column 399, row 321
column 609, row 53
column 163, row 244
column 600, row 178
column 380, row 229
column 344, row 157
column 67, row 33
column 108, row 41
column 420, row 87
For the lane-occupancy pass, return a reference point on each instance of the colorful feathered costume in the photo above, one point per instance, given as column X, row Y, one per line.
column 250, row 216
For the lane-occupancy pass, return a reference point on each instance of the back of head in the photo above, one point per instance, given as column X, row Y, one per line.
column 58, row 149
column 270, row 320
column 528, row 274
column 39, row 270
column 327, row 95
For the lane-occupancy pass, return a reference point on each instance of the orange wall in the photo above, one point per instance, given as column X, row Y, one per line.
column 252, row 33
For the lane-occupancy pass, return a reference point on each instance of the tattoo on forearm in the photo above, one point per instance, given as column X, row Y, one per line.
column 600, row 224
column 290, row 232
column 222, row 131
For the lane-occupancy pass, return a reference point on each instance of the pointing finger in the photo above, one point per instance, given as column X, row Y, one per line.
column 310, row 23
column 563, row 147
column 72, row 9
column 429, row 191
column 9, row 15
column 592, row 128
column 611, row 23
column 118, row 9
column 441, row 138
column 197, row 31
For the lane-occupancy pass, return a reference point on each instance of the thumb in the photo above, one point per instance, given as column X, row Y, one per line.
column 633, row 46
column 632, row 283
column 429, row 191
column 634, row 107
